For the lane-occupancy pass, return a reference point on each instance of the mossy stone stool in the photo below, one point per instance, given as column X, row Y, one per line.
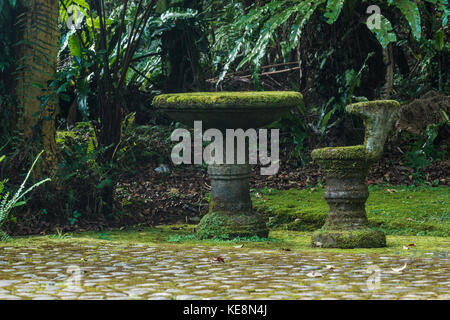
column 230, row 209
column 346, row 170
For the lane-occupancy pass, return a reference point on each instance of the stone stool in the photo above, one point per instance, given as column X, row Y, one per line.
column 346, row 169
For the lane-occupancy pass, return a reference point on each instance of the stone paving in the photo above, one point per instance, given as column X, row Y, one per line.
column 111, row 271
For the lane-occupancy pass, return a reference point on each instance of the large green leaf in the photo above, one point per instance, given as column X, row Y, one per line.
column 333, row 10
column 439, row 40
column 445, row 11
column 96, row 23
column 411, row 13
column 83, row 91
column 384, row 34
column 75, row 45
column 81, row 5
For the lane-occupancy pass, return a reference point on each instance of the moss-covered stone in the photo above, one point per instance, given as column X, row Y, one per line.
column 228, row 225
column 250, row 99
column 228, row 110
column 348, row 239
column 346, row 192
column 378, row 117
column 371, row 106
column 346, row 171
column 231, row 212
column 352, row 152
column 342, row 162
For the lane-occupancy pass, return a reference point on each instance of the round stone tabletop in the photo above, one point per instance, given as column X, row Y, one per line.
column 228, row 110
column 246, row 99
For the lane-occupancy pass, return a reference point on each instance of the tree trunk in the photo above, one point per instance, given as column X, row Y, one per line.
column 388, row 60
column 37, row 56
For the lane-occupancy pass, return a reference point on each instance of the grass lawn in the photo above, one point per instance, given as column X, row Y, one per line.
column 418, row 216
column 417, row 211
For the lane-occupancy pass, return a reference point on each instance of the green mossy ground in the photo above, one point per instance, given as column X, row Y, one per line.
column 418, row 211
column 407, row 215
column 181, row 236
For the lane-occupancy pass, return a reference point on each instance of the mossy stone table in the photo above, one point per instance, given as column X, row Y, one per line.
column 230, row 210
column 346, row 170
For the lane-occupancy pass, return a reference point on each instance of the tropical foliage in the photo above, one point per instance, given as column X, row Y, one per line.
column 77, row 78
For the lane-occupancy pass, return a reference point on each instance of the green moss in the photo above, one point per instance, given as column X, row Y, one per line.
column 371, row 106
column 63, row 136
column 254, row 99
column 82, row 134
column 227, row 225
column 279, row 240
column 346, row 239
column 340, row 153
column 341, row 162
column 405, row 211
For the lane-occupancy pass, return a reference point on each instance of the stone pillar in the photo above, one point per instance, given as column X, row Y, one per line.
column 346, row 196
column 230, row 208
column 230, row 185
column 346, row 192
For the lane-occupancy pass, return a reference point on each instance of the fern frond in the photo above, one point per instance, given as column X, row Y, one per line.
column 7, row 204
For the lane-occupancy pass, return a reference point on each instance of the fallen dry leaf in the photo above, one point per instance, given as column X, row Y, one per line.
column 391, row 190
column 239, row 246
column 314, row 274
column 218, row 259
column 330, row 267
column 398, row 270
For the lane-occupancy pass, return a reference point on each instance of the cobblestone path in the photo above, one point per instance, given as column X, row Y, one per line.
column 109, row 271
